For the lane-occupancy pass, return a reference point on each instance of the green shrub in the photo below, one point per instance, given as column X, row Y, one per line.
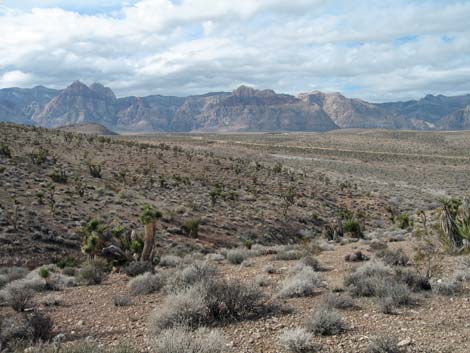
column 404, row 221
column 353, row 227
column 191, row 227
column 91, row 273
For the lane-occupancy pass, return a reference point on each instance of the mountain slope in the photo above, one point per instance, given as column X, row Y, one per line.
column 79, row 103
column 19, row 104
column 430, row 108
column 458, row 120
column 355, row 113
column 244, row 109
column 247, row 109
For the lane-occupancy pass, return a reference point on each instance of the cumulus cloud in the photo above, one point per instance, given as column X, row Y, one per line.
column 380, row 51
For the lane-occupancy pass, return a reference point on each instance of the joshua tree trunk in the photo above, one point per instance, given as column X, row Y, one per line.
column 149, row 240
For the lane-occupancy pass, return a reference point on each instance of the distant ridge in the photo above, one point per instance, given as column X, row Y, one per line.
column 88, row 128
column 244, row 109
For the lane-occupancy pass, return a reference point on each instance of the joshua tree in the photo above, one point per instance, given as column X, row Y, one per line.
column 455, row 223
column 149, row 218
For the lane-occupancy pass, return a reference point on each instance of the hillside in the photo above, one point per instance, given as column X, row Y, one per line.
column 88, row 128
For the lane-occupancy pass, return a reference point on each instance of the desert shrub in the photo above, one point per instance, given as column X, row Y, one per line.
column 394, row 257
column 338, row 301
column 10, row 274
column 383, row 344
column 288, row 255
column 186, row 308
column 352, row 227
column 52, row 300
column 413, row 280
column 325, row 322
column 181, row 340
column 19, row 297
column 448, row 287
column 43, row 272
column 237, row 256
column 262, row 281
column 5, row 150
column 170, row 261
column 146, row 283
column 14, row 328
column 298, row 340
column 94, row 169
column 91, row 273
column 248, row 244
column 197, row 272
column 377, row 245
column 69, row 271
column 248, row 263
column 82, row 347
column 191, row 227
column 137, row 268
column 303, row 283
column 356, row 256
column 59, row 176
column 232, row 300
column 122, row 300
column 215, row 257
column 207, row 302
column 30, row 327
column 404, row 221
column 269, row 268
column 40, row 326
column 312, row 262
column 366, row 279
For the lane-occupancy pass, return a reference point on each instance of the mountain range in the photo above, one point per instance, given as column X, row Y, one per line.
column 244, row 109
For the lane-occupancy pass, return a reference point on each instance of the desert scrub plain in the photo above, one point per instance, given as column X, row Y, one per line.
column 350, row 241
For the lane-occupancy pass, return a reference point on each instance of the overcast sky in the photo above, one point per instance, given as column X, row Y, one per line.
column 375, row 50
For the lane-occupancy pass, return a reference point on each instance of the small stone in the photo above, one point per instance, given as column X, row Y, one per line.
column 405, row 342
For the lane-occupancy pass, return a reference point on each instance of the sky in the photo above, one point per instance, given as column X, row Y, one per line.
column 375, row 50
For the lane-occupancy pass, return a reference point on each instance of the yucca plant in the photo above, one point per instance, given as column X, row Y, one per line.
column 149, row 218
column 455, row 224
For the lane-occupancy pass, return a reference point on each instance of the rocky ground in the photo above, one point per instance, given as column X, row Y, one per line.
column 277, row 191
